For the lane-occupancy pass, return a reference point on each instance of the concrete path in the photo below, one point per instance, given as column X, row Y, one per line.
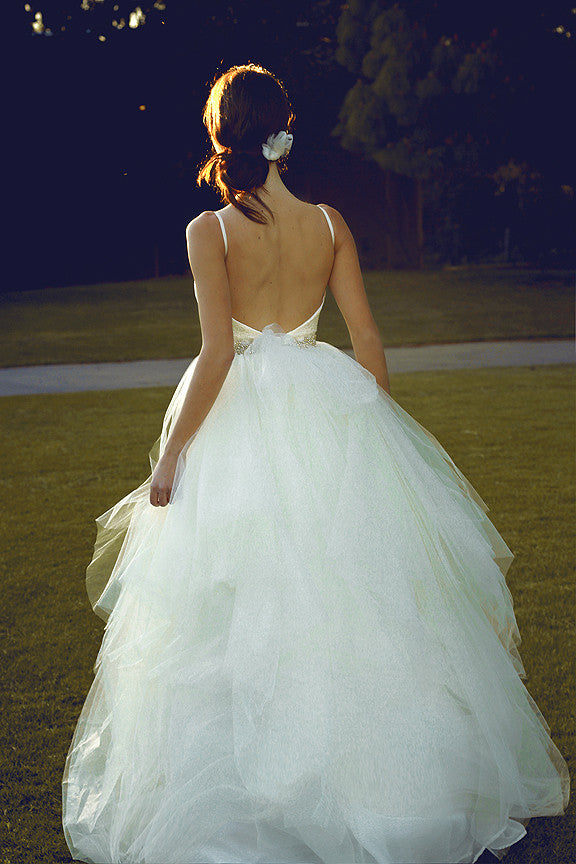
column 159, row 373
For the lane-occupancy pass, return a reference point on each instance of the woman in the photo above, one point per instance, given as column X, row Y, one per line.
column 310, row 654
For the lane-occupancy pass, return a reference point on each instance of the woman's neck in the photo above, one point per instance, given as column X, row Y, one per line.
column 273, row 187
column 272, row 194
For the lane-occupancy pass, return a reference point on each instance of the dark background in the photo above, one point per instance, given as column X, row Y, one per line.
column 99, row 189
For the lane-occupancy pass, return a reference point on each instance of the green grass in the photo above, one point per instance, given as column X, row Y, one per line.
column 157, row 318
column 67, row 458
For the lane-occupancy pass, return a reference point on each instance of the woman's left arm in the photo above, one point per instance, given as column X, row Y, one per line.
column 206, row 256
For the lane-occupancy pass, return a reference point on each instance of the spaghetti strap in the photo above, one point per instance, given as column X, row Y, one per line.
column 225, row 238
column 328, row 220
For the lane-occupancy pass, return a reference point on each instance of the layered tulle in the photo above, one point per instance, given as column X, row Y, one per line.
column 311, row 653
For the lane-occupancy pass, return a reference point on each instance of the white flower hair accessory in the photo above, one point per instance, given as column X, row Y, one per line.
column 277, row 146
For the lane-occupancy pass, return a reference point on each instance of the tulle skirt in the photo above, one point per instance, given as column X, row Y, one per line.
column 311, row 653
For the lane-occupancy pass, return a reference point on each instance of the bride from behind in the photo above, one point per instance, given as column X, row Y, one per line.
column 267, row 256
column 310, row 654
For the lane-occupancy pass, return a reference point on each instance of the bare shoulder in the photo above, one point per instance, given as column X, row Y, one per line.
column 332, row 212
column 341, row 229
column 204, row 236
column 202, row 225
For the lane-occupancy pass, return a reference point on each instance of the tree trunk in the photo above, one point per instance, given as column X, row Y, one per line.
column 390, row 212
column 419, row 223
column 507, row 244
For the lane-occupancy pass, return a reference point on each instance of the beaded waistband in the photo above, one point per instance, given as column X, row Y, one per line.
column 241, row 345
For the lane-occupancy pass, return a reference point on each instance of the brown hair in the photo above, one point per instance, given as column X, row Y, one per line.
column 246, row 105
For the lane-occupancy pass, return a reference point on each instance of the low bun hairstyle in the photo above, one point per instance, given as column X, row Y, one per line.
column 246, row 105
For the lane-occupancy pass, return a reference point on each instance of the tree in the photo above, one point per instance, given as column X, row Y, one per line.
column 96, row 18
column 447, row 93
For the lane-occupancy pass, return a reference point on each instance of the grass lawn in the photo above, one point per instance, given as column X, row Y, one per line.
column 67, row 458
column 157, row 318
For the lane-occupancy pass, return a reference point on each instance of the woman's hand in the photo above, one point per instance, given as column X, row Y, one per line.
column 163, row 480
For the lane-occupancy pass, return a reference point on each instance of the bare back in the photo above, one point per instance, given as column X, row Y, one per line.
column 278, row 272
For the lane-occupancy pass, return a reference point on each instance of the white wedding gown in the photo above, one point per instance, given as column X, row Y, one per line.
column 310, row 654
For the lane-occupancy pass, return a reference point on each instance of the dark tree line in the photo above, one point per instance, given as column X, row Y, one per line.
column 470, row 105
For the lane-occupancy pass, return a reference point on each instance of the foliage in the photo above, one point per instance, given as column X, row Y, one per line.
column 458, row 94
column 102, row 19
column 108, row 117
column 96, row 18
column 415, row 102
column 438, row 84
